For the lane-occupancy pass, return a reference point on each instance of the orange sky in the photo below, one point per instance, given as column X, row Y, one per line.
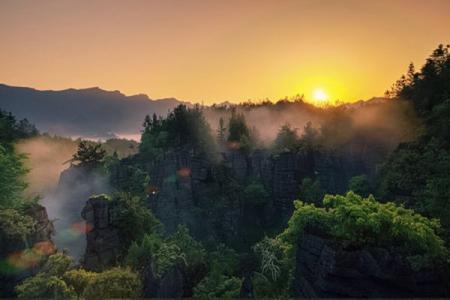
column 214, row 51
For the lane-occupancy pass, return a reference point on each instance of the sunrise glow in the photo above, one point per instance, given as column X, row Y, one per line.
column 215, row 51
column 320, row 96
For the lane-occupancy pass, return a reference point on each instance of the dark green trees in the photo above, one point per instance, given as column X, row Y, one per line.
column 416, row 173
column 286, row 140
column 89, row 154
column 182, row 128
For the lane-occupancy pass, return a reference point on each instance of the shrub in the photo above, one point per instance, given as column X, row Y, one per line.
column 114, row 283
column 216, row 285
column 357, row 222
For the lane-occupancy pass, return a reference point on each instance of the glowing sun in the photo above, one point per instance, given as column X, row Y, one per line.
column 320, row 95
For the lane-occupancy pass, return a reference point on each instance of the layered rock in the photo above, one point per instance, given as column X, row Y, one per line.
column 190, row 188
column 325, row 270
column 102, row 238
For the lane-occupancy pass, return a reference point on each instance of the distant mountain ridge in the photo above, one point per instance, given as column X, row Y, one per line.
column 99, row 114
column 92, row 112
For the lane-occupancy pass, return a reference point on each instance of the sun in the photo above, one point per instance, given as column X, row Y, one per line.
column 320, row 95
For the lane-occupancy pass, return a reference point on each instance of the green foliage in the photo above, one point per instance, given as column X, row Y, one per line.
column 417, row 173
column 48, row 283
column 114, row 283
column 239, row 135
column 89, row 154
column 42, row 286
column 56, row 280
column 216, row 285
column 276, row 267
column 78, row 279
column 57, row 264
column 220, row 282
column 359, row 185
column 286, row 140
column 11, row 130
column 311, row 191
column 310, row 136
column 255, row 194
column 193, row 251
column 12, row 183
column 141, row 253
column 182, row 128
column 429, row 87
column 237, row 127
column 223, row 260
column 358, row 222
column 163, row 253
column 14, row 224
column 134, row 220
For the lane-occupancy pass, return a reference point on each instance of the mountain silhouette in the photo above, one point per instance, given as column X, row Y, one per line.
column 90, row 112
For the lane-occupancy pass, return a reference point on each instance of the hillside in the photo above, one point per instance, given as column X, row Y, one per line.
column 90, row 112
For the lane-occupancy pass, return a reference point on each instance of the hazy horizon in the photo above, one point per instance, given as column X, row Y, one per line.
column 211, row 52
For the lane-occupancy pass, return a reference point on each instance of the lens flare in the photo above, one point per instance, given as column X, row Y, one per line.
column 184, row 172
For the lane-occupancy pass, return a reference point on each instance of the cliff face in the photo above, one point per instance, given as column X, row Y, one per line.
column 44, row 227
column 324, row 270
column 187, row 188
column 102, row 239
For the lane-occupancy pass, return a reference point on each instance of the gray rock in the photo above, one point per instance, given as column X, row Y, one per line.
column 102, row 239
column 325, row 270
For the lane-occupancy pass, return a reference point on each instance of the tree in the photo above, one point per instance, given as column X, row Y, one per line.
column 415, row 174
column 178, row 249
column 114, row 283
column 89, row 154
column 359, row 185
column 311, row 191
column 221, row 132
column 216, row 285
column 79, row 279
column 255, row 194
column 237, row 128
column 12, row 183
column 134, row 219
column 41, row 286
column 355, row 221
column 48, row 283
column 286, row 140
column 182, row 128
column 14, row 224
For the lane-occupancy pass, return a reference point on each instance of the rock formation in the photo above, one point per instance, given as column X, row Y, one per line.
column 102, row 239
column 325, row 270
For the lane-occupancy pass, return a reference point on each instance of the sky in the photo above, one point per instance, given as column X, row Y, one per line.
column 215, row 51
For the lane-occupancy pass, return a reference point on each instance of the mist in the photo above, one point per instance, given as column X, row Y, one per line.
column 63, row 190
column 382, row 120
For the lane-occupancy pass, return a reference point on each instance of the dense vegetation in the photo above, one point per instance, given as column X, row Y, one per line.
column 418, row 173
column 185, row 206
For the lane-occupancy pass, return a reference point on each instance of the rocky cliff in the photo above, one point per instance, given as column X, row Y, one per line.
column 207, row 195
column 326, row 270
column 102, row 238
